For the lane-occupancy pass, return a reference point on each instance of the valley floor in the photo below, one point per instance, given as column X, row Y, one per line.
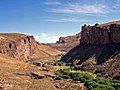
column 18, row 75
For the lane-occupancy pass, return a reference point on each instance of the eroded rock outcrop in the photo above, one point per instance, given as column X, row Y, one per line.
column 100, row 35
column 66, row 43
column 24, row 47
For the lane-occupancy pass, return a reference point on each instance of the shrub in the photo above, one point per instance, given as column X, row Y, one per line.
column 87, row 76
column 116, row 85
column 59, row 63
column 110, row 88
column 68, row 64
column 90, row 83
column 59, row 72
column 115, row 81
column 76, row 78
column 83, row 80
column 72, row 68
column 66, row 76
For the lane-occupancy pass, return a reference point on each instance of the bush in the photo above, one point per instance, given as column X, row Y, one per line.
column 110, row 88
column 87, row 76
column 83, row 80
column 59, row 63
column 76, row 78
column 68, row 64
column 90, row 83
column 72, row 68
column 59, row 72
column 66, row 76
column 116, row 85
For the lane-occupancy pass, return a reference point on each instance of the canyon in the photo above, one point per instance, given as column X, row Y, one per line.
column 25, row 64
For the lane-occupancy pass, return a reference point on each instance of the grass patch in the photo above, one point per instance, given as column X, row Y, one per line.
column 89, row 81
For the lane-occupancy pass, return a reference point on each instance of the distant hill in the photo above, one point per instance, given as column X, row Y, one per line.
column 66, row 43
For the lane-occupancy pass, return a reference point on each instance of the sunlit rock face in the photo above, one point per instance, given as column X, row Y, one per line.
column 20, row 48
column 100, row 35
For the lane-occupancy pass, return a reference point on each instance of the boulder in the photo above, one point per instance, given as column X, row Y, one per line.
column 34, row 75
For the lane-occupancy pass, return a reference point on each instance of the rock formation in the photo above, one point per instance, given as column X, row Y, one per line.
column 100, row 35
column 24, row 47
column 99, row 49
column 66, row 43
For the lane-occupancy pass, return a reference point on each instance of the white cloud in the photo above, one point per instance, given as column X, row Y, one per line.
column 52, row 3
column 43, row 35
column 67, row 20
column 77, row 8
column 48, row 39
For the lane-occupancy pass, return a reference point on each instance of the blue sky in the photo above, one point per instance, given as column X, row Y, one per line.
column 47, row 20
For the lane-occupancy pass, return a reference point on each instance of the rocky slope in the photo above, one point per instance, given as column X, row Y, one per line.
column 66, row 43
column 24, row 47
column 15, row 75
column 98, row 51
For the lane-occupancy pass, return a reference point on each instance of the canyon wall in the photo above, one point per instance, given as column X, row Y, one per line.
column 100, row 35
column 98, row 50
column 21, row 48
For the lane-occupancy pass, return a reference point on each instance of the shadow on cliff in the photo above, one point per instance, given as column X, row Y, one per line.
column 83, row 52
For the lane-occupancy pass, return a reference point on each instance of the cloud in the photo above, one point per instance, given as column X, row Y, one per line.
column 52, row 3
column 67, row 20
column 48, row 39
column 43, row 35
column 77, row 8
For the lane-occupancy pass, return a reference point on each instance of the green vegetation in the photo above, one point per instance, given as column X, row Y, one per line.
column 58, row 57
column 89, row 81
column 57, row 63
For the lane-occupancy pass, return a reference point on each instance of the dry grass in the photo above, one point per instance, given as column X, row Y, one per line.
column 11, row 35
column 113, row 22
column 9, row 78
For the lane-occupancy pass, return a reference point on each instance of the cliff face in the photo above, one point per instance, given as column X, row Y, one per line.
column 24, row 47
column 98, row 50
column 100, row 35
column 66, row 43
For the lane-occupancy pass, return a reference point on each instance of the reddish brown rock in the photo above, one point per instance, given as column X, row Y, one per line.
column 100, row 35
column 24, row 47
column 66, row 43
column 21, row 48
column 98, row 50
column 115, row 33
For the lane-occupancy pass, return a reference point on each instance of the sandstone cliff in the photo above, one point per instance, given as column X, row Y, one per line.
column 24, row 47
column 100, row 35
column 66, row 43
column 98, row 50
